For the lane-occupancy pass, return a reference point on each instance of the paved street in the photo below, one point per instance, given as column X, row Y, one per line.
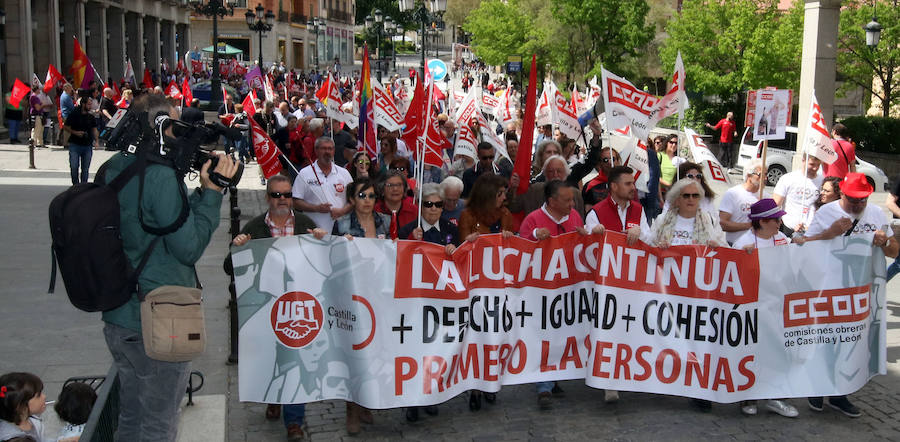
column 44, row 334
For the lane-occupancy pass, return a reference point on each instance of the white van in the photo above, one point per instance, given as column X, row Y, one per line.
column 780, row 157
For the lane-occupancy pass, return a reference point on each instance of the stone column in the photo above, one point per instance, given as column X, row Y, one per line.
column 151, row 34
column 46, row 37
column 134, row 43
column 96, row 43
column 818, row 63
column 19, row 62
column 115, row 30
column 167, row 42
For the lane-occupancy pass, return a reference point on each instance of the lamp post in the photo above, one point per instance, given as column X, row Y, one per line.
column 873, row 28
column 260, row 23
column 214, row 9
column 375, row 22
column 424, row 16
column 392, row 31
column 314, row 26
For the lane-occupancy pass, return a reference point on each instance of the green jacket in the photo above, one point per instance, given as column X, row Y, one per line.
column 173, row 258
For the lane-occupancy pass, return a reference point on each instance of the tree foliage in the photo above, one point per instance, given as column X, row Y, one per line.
column 876, row 71
column 571, row 36
column 729, row 47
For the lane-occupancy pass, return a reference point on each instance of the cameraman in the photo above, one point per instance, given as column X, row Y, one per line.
column 152, row 390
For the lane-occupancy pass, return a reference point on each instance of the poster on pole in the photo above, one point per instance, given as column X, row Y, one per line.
column 771, row 114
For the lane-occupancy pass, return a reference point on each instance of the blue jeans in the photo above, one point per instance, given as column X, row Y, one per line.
column 293, row 414
column 150, row 391
column 79, row 154
column 13, row 129
column 893, row 269
column 544, row 386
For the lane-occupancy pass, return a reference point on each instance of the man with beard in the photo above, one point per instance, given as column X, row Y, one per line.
column 851, row 216
column 280, row 220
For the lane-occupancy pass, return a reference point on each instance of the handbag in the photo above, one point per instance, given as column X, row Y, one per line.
column 172, row 323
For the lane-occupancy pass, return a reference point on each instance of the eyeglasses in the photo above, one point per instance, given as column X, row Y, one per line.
column 399, row 169
column 276, row 195
column 487, row 158
column 430, row 204
column 364, row 195
column 754, row 173
column 698, row 176
column 688, row 196
column 363, row 162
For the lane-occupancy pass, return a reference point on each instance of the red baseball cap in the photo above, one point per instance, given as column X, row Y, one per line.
column 855, row 185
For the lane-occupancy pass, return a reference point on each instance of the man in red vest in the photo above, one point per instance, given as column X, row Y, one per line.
column 620, row 211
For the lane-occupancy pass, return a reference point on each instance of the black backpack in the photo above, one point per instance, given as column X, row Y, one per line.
column 87, row 242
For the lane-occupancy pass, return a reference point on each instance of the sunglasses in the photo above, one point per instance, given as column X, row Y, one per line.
column 364, row 195
column 694, row 176
column 487, row 157
column 673, row 142
column 363, row 162
column 688, row 196
column 277, row 195
column 399, row 169
column 430, row 204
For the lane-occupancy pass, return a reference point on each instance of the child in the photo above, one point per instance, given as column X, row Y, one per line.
column 21, row 400
column 74, row 408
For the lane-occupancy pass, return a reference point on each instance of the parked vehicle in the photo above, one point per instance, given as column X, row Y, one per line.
column 780, row 157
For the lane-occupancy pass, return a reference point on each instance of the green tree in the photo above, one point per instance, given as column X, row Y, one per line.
column 499, row 29
column 609, row 31
column 729, row 47
column 877, row 70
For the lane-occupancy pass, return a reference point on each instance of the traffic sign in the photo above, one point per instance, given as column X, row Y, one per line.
column 513, row 64
column 438, row 69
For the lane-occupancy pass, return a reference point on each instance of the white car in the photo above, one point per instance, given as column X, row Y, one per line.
column 780, row 157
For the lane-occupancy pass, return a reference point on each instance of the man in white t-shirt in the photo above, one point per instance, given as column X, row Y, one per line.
column 320, row 189
column 851, row 216
column 797, row 193
column 734, row 208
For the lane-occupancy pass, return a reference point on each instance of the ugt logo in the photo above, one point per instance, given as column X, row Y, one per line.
column 296, row 319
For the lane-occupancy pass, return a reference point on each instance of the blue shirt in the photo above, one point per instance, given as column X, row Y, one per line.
column 66, row 105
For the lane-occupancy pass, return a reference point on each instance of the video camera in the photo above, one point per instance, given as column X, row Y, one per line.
column 172, row 142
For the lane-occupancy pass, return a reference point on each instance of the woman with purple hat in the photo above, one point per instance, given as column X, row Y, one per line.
column 765, row 221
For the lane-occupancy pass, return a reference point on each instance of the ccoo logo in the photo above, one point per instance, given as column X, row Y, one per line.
column 296, row 319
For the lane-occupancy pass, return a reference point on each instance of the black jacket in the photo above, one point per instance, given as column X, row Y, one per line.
column 449, row 234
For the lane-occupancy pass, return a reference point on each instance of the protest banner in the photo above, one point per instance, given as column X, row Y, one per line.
column 818, row 141
column 771, row 114
column 391, row 324
column 386, row 113
column 466, row 139
column 627, row 105
column 712, row 168
column 564, row 117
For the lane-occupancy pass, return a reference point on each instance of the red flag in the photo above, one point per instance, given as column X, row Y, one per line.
column 118, row 93
column 249, row 107
column 196, row 66
column 186, row 91
column 173, row 91
column 266, row 151
column 322, row 93
column 53, row 77
column 523, row 158
column 148, row 79
column 82, row 70
column 180, row 66
column 413, row 118
column 19, row 91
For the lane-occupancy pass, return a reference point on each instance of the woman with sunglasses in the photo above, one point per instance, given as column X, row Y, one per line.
column 695, row 172
column 686, row 223
column 362, row 222
column 361, row 166
column 668, row 160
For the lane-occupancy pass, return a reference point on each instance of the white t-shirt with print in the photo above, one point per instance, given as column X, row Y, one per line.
column 314, row 187
column 800, row 194
column 748, row 238
column 872, row 219
column 737, row 201
column 683, row 233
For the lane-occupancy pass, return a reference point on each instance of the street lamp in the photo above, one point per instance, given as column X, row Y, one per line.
column 214, row 9
column 260, row 23
column 421, row 13
column 392, row 31
column 314, row 26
